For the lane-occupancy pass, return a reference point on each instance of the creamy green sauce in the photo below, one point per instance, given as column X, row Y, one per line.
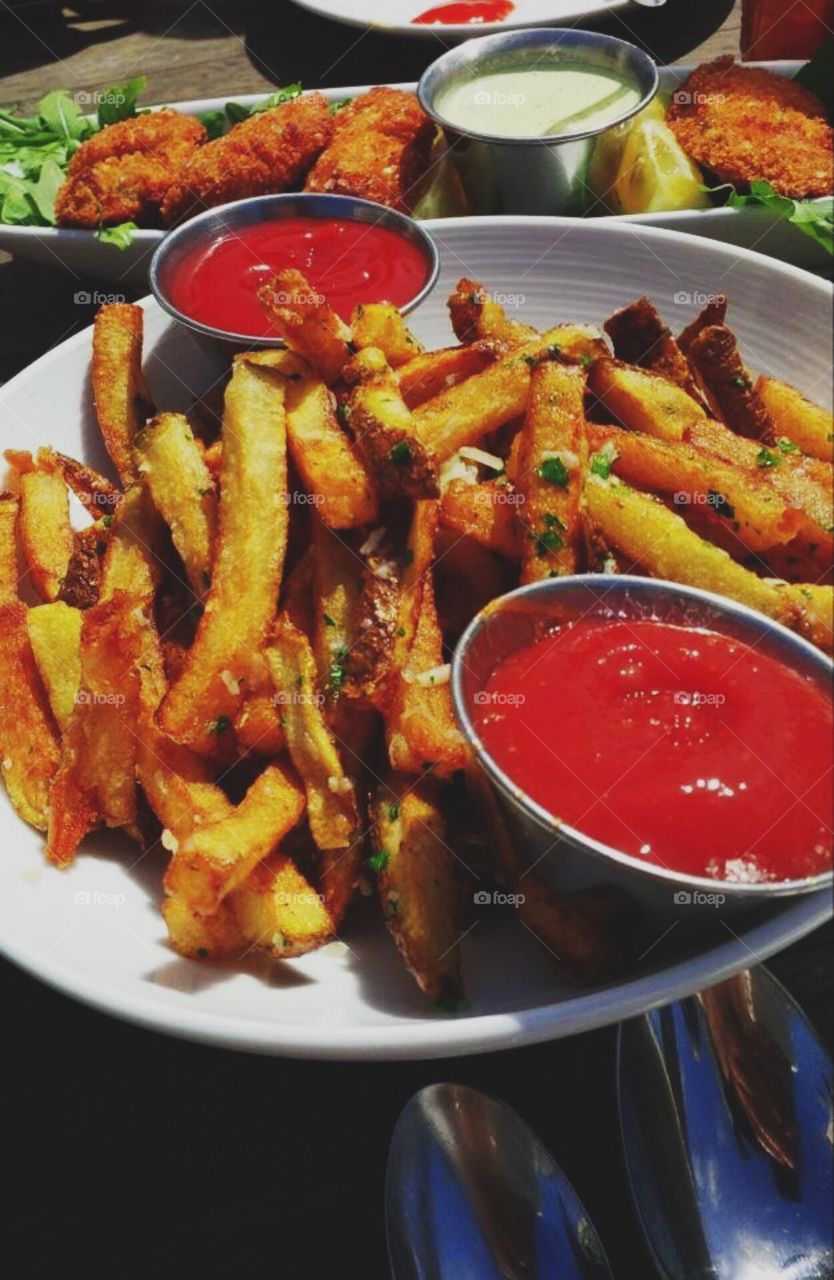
column 537, row 101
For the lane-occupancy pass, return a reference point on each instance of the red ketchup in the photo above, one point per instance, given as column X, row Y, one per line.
column 678, row 746
column 347, row 262
column 466, row 11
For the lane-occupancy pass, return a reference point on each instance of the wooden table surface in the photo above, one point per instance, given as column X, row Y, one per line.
column 137, row 1155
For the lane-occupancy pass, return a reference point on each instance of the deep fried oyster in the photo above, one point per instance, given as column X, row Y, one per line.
column 123, row 172
column 380, row 151
column 747, row 124
column 269, row 152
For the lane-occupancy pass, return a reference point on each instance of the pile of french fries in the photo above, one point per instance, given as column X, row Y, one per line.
column 243, row 654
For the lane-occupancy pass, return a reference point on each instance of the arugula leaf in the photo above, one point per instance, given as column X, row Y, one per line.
column 813, row 217
column 44, row 191
column 214, row 123
column 118, row 102
column 62, row 115
column 120, row 236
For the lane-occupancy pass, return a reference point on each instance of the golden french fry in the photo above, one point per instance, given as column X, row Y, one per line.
column 96, row 781
column 400, row 462
column 201, row 937
column 420, row 727
column 277, row 909
column 9, row 573
column 658, row 542
column 331, row 801
column 551, row 460
column 327, row 461
column 476, row 315
column 644, row 401
column 798, row 419
column 417, row 885
column 55, row 636
column 755, row 512
column 132, row 560
column 435, row 371
column 305, row 320
column 44, row 528
column 217, row 857
column 486, row 512
column 816, row 612
column 337, row 587
column 28, row 738
column 171, row 462
column 379, row 324
column 248, row 562
column 483, row 403
column 122, row 401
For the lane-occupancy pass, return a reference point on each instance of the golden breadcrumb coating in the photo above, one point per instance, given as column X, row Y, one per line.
column 380, row 151
column 269, row 152
column 123, row 172
column 746, row 124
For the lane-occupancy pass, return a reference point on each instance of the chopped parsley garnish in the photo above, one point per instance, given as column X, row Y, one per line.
column 343, row 412
column 740, row 382
column 393, row 812
column 601, row 464
column 554, row 471
column 338, row 671
column 379, row 860
column 787, row 446
column 220, row 725
column 107, row 521
column 764, row 458
column 586, row 360
column 408, row 556
column 328, row 621
column 400, row 454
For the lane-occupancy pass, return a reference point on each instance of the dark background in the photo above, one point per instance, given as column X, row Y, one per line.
column 128, row 1154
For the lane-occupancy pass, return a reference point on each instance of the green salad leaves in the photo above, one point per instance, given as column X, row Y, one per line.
column 35, row 151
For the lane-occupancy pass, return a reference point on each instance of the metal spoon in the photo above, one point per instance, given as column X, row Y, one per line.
column 471, row 1194
column 726, row 1121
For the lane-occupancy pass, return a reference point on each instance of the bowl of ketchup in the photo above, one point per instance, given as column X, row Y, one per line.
column 652, row 737
column 206, row 273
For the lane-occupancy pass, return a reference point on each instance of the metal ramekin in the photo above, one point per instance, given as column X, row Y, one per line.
column 561, row 855
column 213, row 223
column 538, row 174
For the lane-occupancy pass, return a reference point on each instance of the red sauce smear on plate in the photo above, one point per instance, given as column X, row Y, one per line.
column 679, row 746
column 466, row 11
column 347, row 262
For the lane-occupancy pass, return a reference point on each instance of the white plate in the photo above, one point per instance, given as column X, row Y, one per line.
column 107, row 947
column 396, row 17
column 85, row 259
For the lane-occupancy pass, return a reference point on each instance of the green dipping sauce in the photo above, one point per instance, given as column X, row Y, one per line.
column 525, row 102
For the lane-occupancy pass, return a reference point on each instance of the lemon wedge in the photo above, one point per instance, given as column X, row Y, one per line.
column 655, row 174
column 607, row 155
